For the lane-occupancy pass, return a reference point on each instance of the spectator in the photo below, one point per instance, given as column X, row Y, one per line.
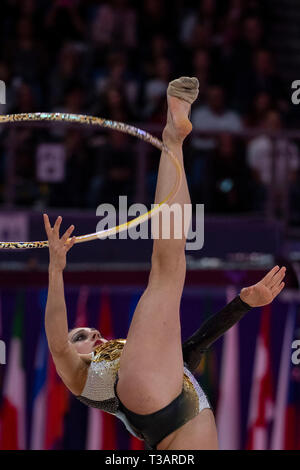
column 68, row 70
column 64, row 22
column 74, row 103
column 10, row 88
column 209, row 119
column 252, row 39
column 202, row 69
column 33, row 11
column 74, row 100
column 262, row 78
column 235, row 10
column 117, row 76
column 229, row 185
column 155, row 18
column 26, row 188
column 159, row 47
column 113, row 105
column 235, row 55
column 115, row 59
column 155, row 88
column 197, row 27
column 274, row 162
column 201, row 36
column 113, row 171
column 25, row 99
column 213, row 117
column 26, row 55
column 78, row 172
column 261, row 105
column 115, row 25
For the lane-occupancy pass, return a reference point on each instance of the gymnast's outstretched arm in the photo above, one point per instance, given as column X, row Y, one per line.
column 215, row 326
column 70, row 366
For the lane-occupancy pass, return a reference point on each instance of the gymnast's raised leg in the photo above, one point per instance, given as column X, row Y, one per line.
column 151, row 364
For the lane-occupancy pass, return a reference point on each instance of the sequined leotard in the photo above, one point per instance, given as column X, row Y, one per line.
column 100, row 388
column 100, row 391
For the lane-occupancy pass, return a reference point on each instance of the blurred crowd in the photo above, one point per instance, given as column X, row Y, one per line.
column 115, row 59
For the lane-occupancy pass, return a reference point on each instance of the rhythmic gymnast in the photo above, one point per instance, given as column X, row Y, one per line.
column 147, row 380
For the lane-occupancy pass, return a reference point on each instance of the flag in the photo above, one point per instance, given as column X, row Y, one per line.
column 13, row 436
column 101, row 434
column 105, row 317
column 3, row 351
column 82, row 321
column 1, row 368
column 39, row 396
column 228, row 412
column 287, row 415
column 57, row 405
column 81, row 311
column 261, row 399
column 136, row 444
column 75, row 436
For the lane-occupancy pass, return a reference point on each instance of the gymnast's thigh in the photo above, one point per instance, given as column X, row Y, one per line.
column 200, row 433
column 151, row 364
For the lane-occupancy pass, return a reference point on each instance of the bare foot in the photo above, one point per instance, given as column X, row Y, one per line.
column 181, row 93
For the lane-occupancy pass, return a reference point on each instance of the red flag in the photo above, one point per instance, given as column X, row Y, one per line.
column 105, row 317
column 81, row 313
column 261, row 401
column 109, row 437
column 136, row 444
column 57, row 394
column 13, row 435
column 281, row 429
column 228, row 411
column 57, row 406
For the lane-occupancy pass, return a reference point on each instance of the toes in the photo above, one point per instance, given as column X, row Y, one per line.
column 186, row 83
column 189, row 82
column 184, row 88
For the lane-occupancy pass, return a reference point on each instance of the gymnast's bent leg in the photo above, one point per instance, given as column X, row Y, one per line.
column 151, row 364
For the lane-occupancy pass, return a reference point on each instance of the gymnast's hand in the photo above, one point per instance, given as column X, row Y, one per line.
column 265, row 291
column 58, row 247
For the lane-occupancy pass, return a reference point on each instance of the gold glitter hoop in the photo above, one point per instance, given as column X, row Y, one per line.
column 114, row 125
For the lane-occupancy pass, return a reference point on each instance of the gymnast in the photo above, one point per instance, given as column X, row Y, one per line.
column 147, row 380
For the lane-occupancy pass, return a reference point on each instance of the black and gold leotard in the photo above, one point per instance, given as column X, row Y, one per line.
column 100, row 392
column 100, row 388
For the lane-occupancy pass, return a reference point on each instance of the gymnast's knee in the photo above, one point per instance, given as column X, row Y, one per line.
column 171, row 263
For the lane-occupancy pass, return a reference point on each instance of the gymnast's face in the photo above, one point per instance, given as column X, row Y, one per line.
column 85, row 339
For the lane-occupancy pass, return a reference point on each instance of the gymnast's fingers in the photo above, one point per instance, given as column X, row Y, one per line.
column 275, row 281
column 70, row 243
column 275, row 291
column 47, row 225
column 67, row 233
column 57, row 226
column 266, row 280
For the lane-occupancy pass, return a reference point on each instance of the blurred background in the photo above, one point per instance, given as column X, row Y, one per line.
column 114, row 59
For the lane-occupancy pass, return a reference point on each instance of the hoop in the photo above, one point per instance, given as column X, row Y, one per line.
column 114, row 125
